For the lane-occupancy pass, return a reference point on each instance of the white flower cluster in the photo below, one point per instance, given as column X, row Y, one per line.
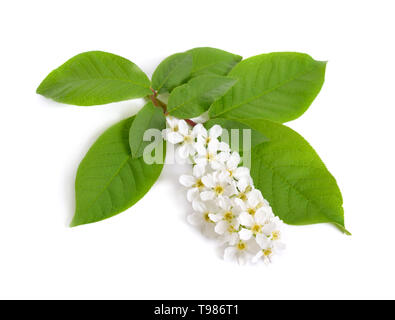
column 226, row 205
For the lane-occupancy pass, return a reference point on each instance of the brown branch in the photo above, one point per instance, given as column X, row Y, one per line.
column 190, row 122
column 157, row 102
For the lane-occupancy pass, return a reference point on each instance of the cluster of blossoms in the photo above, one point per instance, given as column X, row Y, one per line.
column 225, row 203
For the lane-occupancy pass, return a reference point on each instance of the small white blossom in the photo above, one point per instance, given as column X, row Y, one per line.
column 193, row 182
column 269, row 240
column 226, row 221
column 231, row 166
column 268, row 249
column 253, row 202
column 240, row 252
column 218, row 185
column 201, row 217
column 204, row 137
column 213, row 154
column 253, row 225
column 176, row 130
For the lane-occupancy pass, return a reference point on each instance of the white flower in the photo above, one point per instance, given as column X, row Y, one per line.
column 241, row 251
column 271, row 229
column 176, row 130
column 244, row 186
column 218, row 185
column 204, row 137
column 231, row 166
column 268, row 249
column 254, row 225
column 253, row 202
column 214, row 154
column 188, row 145
column 269, row 240
column 201, row 217
column 226, row 222
column 193, row 182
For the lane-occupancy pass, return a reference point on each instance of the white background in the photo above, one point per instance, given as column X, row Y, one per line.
column 150, row 251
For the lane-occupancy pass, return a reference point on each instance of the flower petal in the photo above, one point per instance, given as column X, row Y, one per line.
column 245, row 234
column 246, row 219
column 242, row 173
column 174, row 137
column 240, row 203
column 215, row 217
column 233, row 238
column 192, row 194
column 198, row 170
column 260, row 216
column 230, row 253
column 209, row 181
column 183, row 127
column 201, row 161
column 221, row 227
column 242, row 258
column 195, row 219
column 212, row 146
column 269, row 228
column 254, row 197
column 215, row 131
column 216, row 165
column 183, row 151
column 257, row 257
column 262, row 241
column 223, row 157
column 223, row 147
column 171, row 121
column 207, row 195
column 233, row 161
column 199, row 206
column 199, row 130
column 187, row 180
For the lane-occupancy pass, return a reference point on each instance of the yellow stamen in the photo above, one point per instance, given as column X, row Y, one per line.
column 242, row 196
column 267, row 252
column 206, row 217
column 199, row 184
column 256, row 228
column 276, row 235
column 241, row 245
column 218, row 190
column 228, row 216
column 231, row 229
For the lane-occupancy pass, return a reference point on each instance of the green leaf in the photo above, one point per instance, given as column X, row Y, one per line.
column 178, row 68
column 172, row 72
column 195, row 97
column 256, row 137
column 149, row 117
column 208, row 60
column 109, row 180
column 275, row 86
column 293, row 178
column 94, row 78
